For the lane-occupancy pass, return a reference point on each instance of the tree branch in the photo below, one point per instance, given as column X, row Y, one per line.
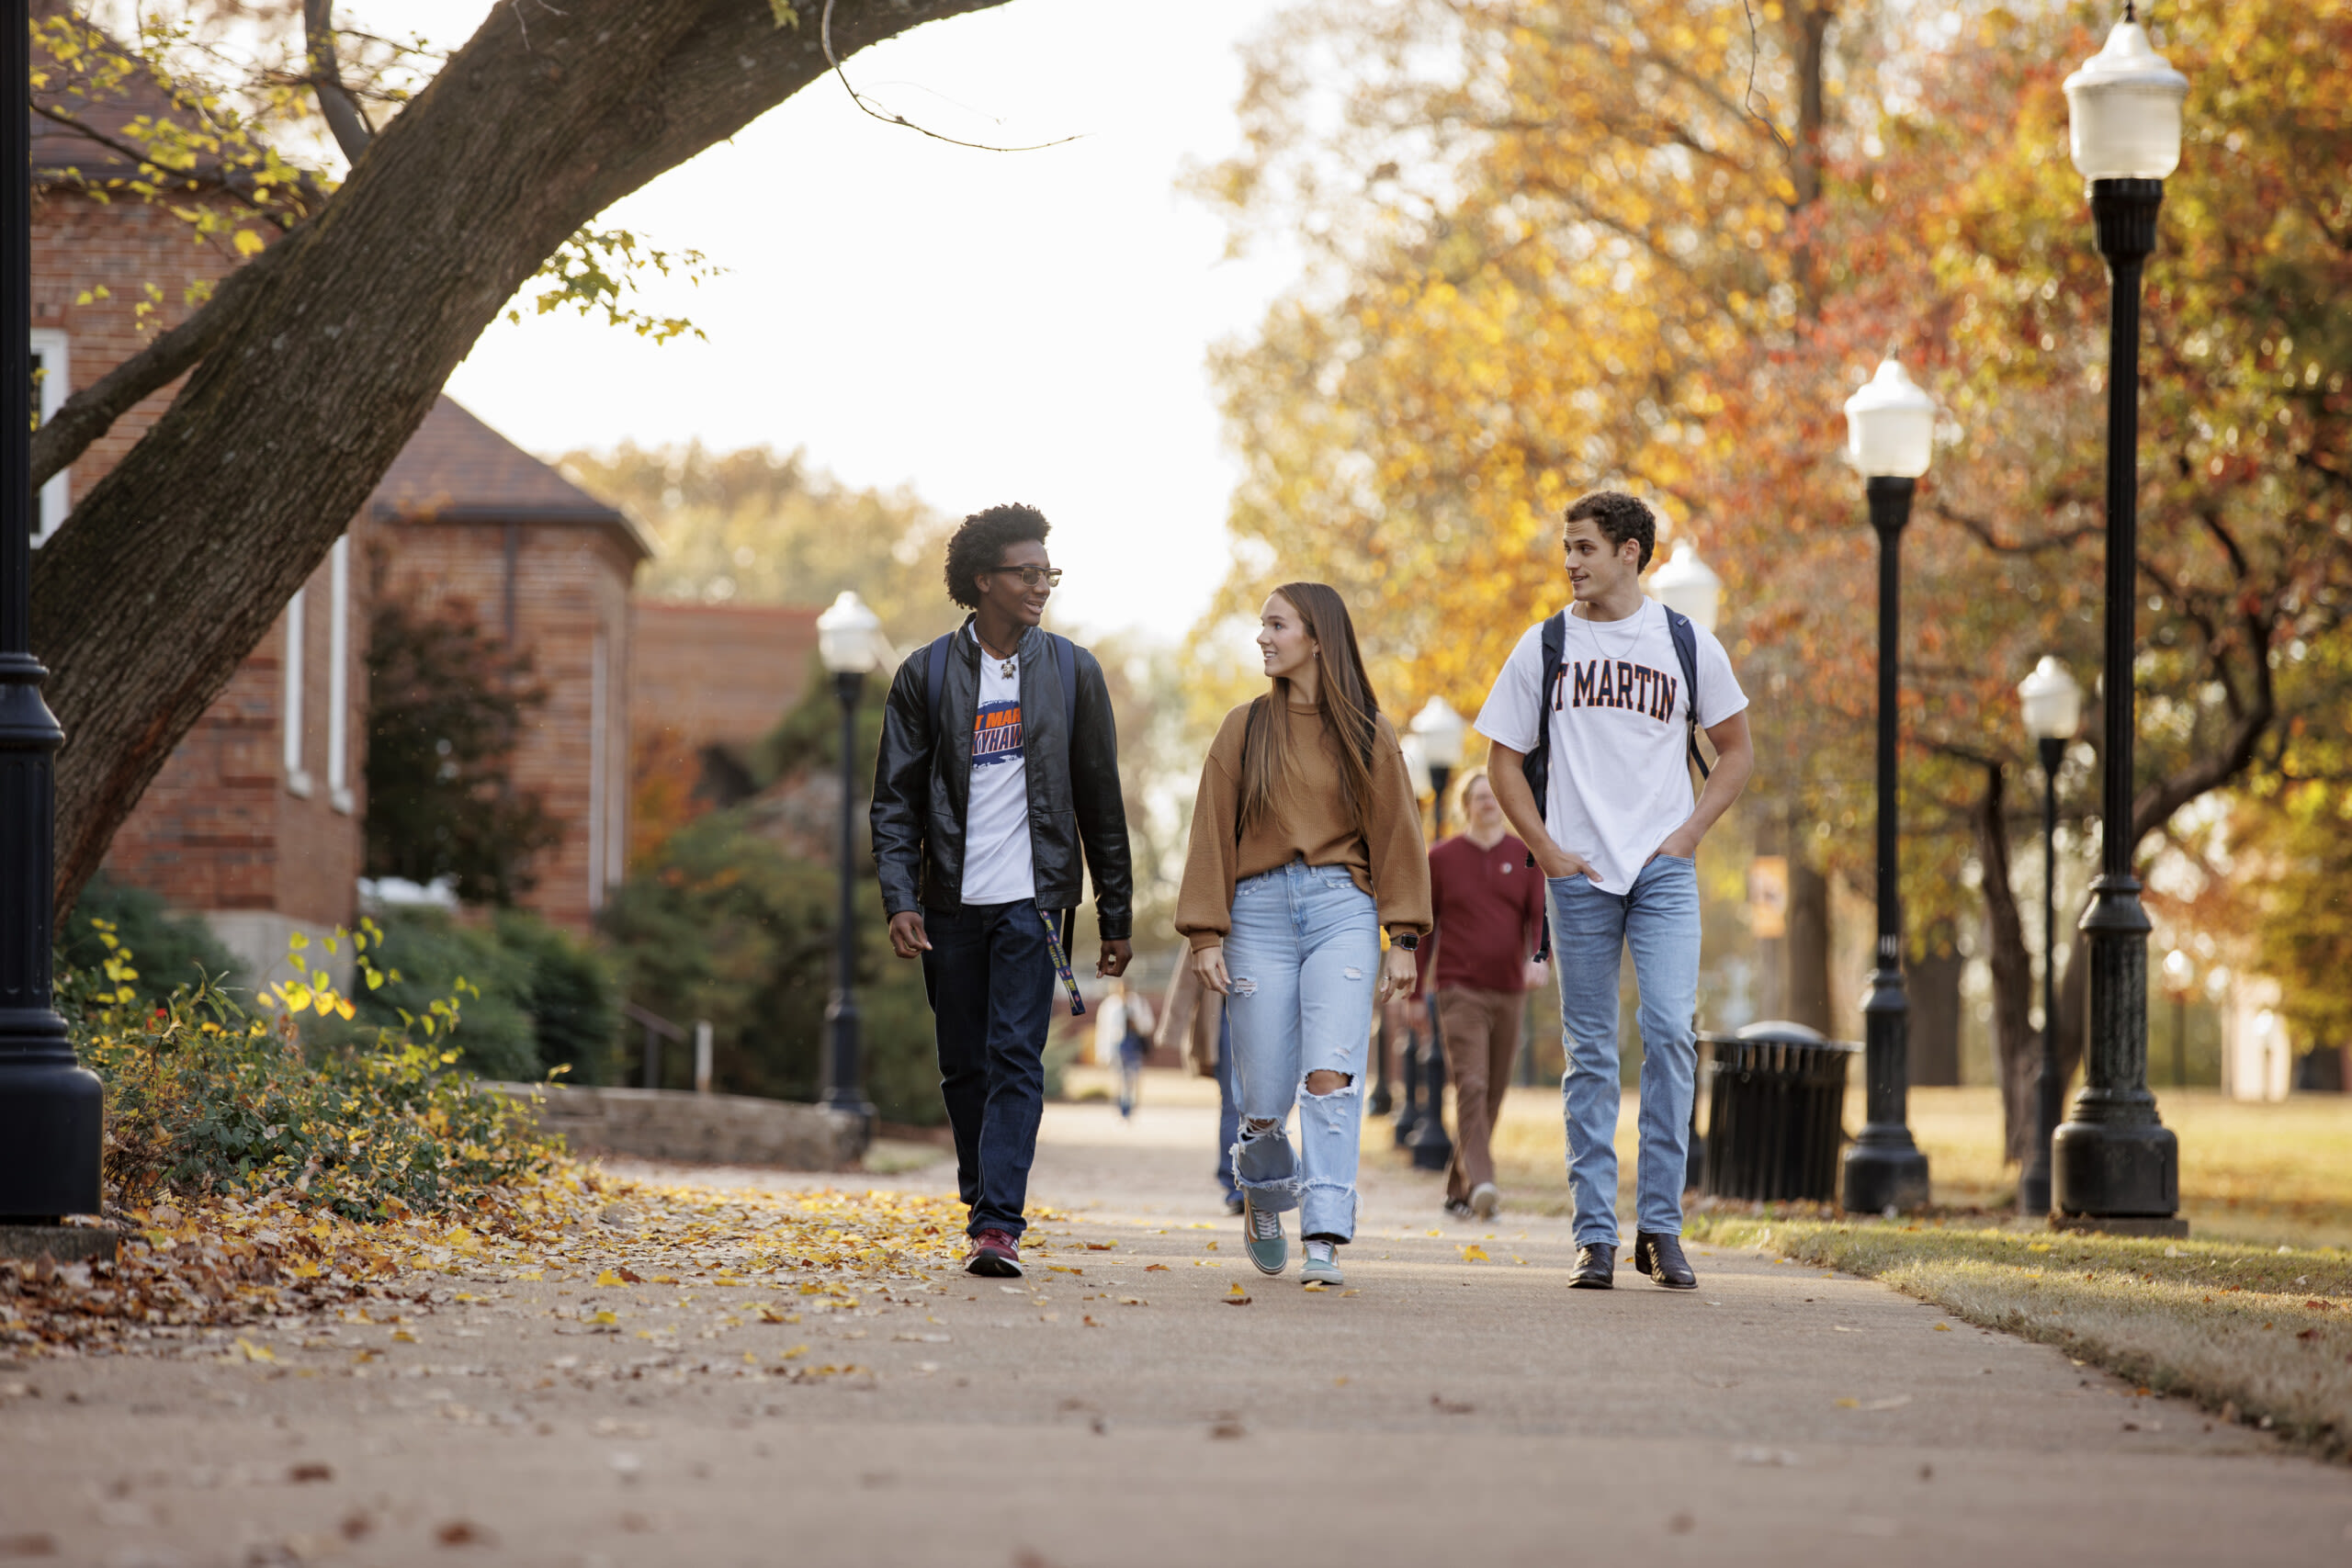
column 352, row 132
column 91, row 413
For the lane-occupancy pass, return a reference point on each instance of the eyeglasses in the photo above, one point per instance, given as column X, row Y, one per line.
column 1030, row 576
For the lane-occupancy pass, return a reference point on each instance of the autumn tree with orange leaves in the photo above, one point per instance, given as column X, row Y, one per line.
column 1612, row 276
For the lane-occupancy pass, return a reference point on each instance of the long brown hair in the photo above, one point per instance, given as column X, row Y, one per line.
column 1344, row 697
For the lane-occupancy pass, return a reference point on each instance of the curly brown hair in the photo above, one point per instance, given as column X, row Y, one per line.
column 1619, row 517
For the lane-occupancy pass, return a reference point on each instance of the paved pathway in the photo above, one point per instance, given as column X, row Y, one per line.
column 1448, row 1411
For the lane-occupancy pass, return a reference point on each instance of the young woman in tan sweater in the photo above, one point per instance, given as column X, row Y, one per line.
column 1307, row 841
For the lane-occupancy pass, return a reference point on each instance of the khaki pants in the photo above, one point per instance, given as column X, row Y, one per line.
column 1480, row 1032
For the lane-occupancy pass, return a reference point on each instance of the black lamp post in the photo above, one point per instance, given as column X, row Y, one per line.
column 1890, row 433
column 1442, row 732
column 2053, row 711
column 849, row 641
column 51, row 1110
column 2113, row 1161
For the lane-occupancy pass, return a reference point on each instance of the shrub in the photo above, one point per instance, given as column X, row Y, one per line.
column 723, row 925
column 543, row 1001
column 173, row 948
column 204, row 1097
column 427, row 955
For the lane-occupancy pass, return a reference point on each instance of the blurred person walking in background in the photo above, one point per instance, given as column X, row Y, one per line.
column 1305, row 841
column 1488, row 904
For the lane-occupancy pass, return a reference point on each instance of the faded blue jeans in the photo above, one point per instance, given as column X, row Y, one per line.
column 1303, row 957
column 1658, row 920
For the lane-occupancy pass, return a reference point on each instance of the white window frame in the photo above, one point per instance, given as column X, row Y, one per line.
column 298, row 780
column 597, row 702
column 56, row 386
column 339, row 794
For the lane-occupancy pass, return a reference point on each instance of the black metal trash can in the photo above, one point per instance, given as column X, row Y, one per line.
column 1775, row 1095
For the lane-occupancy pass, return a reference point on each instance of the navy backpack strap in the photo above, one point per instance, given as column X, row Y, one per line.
column 934, row 689
column 1686, row 648
column 1066, row 661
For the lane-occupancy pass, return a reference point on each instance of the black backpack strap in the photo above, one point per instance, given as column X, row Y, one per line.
column 1685, row 638
column 1537, row 764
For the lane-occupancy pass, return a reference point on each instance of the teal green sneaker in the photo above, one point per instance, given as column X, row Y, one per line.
column 1261, row 1234
column 1322, row 1266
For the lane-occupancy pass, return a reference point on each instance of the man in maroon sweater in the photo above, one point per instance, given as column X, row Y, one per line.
column 1490, row 908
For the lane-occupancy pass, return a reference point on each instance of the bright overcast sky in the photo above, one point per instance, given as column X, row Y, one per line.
column 982, row 327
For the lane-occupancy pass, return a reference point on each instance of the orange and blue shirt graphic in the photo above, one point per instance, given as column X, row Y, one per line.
column 996, row 733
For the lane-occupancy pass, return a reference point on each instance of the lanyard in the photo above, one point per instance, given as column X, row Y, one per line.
column 1061, row 964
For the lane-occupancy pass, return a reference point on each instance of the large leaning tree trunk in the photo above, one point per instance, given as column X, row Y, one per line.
column 318, row 370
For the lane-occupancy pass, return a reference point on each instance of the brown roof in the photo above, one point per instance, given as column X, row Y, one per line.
column 458, row 469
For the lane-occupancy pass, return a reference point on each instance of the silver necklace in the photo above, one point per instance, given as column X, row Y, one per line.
column 1632, row 637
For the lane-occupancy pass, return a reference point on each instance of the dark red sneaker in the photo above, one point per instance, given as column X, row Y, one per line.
column 994, row 1253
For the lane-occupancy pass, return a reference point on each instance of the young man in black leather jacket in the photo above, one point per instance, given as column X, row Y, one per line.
column 997, row 777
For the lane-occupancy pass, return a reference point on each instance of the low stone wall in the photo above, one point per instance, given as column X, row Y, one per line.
column 699, row 1128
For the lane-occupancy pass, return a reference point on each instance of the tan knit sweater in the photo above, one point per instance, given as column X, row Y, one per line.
column 1308, row 823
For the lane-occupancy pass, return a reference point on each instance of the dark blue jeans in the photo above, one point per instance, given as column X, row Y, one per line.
column 991, row 980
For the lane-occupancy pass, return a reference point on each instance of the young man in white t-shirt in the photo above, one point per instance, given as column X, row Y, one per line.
column 1617, row 838
column 996, row 790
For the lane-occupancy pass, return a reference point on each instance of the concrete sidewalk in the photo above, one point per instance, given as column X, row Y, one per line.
column 1442, row 1410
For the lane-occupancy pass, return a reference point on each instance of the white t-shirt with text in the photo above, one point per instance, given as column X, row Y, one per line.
column 997, row 864
column 1620, row 780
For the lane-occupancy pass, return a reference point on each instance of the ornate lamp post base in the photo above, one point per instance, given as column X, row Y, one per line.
column 2113, row 1159
column 1883, row 1171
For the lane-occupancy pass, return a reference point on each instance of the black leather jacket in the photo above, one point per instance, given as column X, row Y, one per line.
column 922, row 783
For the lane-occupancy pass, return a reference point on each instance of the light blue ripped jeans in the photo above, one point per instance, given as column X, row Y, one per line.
column 1302, row 956
column 1657, row 920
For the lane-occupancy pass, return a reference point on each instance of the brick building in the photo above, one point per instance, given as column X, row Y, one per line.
column 256, row 821
column 715, row 678
column 253, row 822
column 471, row 524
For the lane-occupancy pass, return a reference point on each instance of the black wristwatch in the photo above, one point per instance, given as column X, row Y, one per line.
column 1409, row 940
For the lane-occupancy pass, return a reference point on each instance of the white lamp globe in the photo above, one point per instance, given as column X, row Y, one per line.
column 1441, row 731
column 1891, row 425
column 1686, row 583
column 1416, row 763
column 849, row 635
column 2053, row 701
column 2123, row 108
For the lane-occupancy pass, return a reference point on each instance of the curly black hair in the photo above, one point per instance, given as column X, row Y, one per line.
column 978, row 543
column 1619, row 517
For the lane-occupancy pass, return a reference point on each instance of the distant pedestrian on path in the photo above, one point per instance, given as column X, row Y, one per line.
column 1305, row 840
column 997, row 783
column 1488, row 908
column 1592, row 719
column 1128, row 1017
column 1194, row 1022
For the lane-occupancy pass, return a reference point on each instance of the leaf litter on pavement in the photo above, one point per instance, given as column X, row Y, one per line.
column 208, row 1277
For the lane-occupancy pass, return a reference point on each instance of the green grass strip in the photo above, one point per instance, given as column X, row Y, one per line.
column 2262, row 1336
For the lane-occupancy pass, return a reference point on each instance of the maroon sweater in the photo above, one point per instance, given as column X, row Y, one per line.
column 1488, row 905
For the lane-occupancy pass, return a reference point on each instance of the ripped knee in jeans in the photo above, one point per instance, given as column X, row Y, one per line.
column 1260, row 1127
column 1242, row 986
column 1323, row 1082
